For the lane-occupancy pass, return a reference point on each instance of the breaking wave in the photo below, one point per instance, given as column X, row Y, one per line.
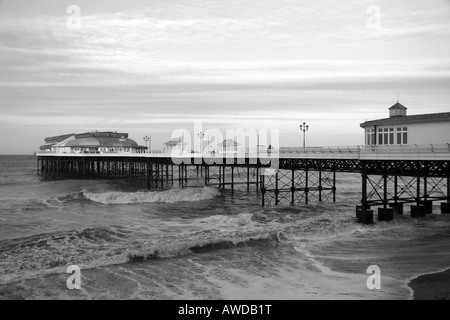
column 94, row 247
column 169, row 196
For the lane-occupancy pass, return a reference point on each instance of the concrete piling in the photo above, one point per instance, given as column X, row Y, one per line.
column 397, row 207
column 445, row 208
column 418, row 211
column 385, row 214
column 428, row 204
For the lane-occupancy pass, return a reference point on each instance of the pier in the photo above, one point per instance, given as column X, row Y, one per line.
column 390, row 176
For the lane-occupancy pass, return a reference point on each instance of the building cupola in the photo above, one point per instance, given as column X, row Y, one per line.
column 397, row 110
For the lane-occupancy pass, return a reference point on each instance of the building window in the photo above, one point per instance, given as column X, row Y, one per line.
column 391, row 135
column 370, row 137
column 402, row 135
column 386, row 135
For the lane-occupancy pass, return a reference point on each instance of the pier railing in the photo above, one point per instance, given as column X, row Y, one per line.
column 407, row 152
column 400, row 152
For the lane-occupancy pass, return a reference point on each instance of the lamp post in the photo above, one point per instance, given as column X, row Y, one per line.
column 201, row 135
column 147, row 139
column 182, row 142
column 208, row 146
column 304, row 127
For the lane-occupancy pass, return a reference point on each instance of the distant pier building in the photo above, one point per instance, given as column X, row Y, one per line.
column 91, row 142
column 401, row 129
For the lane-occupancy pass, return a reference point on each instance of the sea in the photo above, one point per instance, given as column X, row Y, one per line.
column 202, row 242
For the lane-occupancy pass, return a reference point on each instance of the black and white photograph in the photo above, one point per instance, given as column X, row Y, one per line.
column 224, row 155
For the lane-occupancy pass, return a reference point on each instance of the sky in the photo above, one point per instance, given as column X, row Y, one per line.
column 151, row 67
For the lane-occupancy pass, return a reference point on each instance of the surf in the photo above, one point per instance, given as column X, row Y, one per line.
column 168, row 196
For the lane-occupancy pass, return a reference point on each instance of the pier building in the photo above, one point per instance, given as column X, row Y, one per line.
column 401, row 129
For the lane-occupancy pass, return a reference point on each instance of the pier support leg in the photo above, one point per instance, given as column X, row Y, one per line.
column 257, row 178
column 263, row 191
column 396, row 190
column 157, row 174
column 292, row 186
column 232, row 179
column 364, row 191
column 276, row 188
column 363, row 214
column 320, row 185
column 167, row 173
column 306, row 186
column 334, row 185
column 131, row 172
column 425, row 187
column 448, row 189
column 418, row 191
column 149, row 176
column 248, row 178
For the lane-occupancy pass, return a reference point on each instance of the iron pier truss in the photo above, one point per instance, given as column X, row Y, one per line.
column 387, row 184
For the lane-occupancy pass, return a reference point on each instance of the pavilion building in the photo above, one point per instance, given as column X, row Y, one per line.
column 401, row 129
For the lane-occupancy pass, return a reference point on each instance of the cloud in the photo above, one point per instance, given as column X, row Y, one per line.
column 227, row 62
column 181, row 42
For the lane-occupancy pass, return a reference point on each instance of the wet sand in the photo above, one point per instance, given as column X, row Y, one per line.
column 435, row 286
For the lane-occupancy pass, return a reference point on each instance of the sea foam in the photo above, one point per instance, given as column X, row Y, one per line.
column 169, row 196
